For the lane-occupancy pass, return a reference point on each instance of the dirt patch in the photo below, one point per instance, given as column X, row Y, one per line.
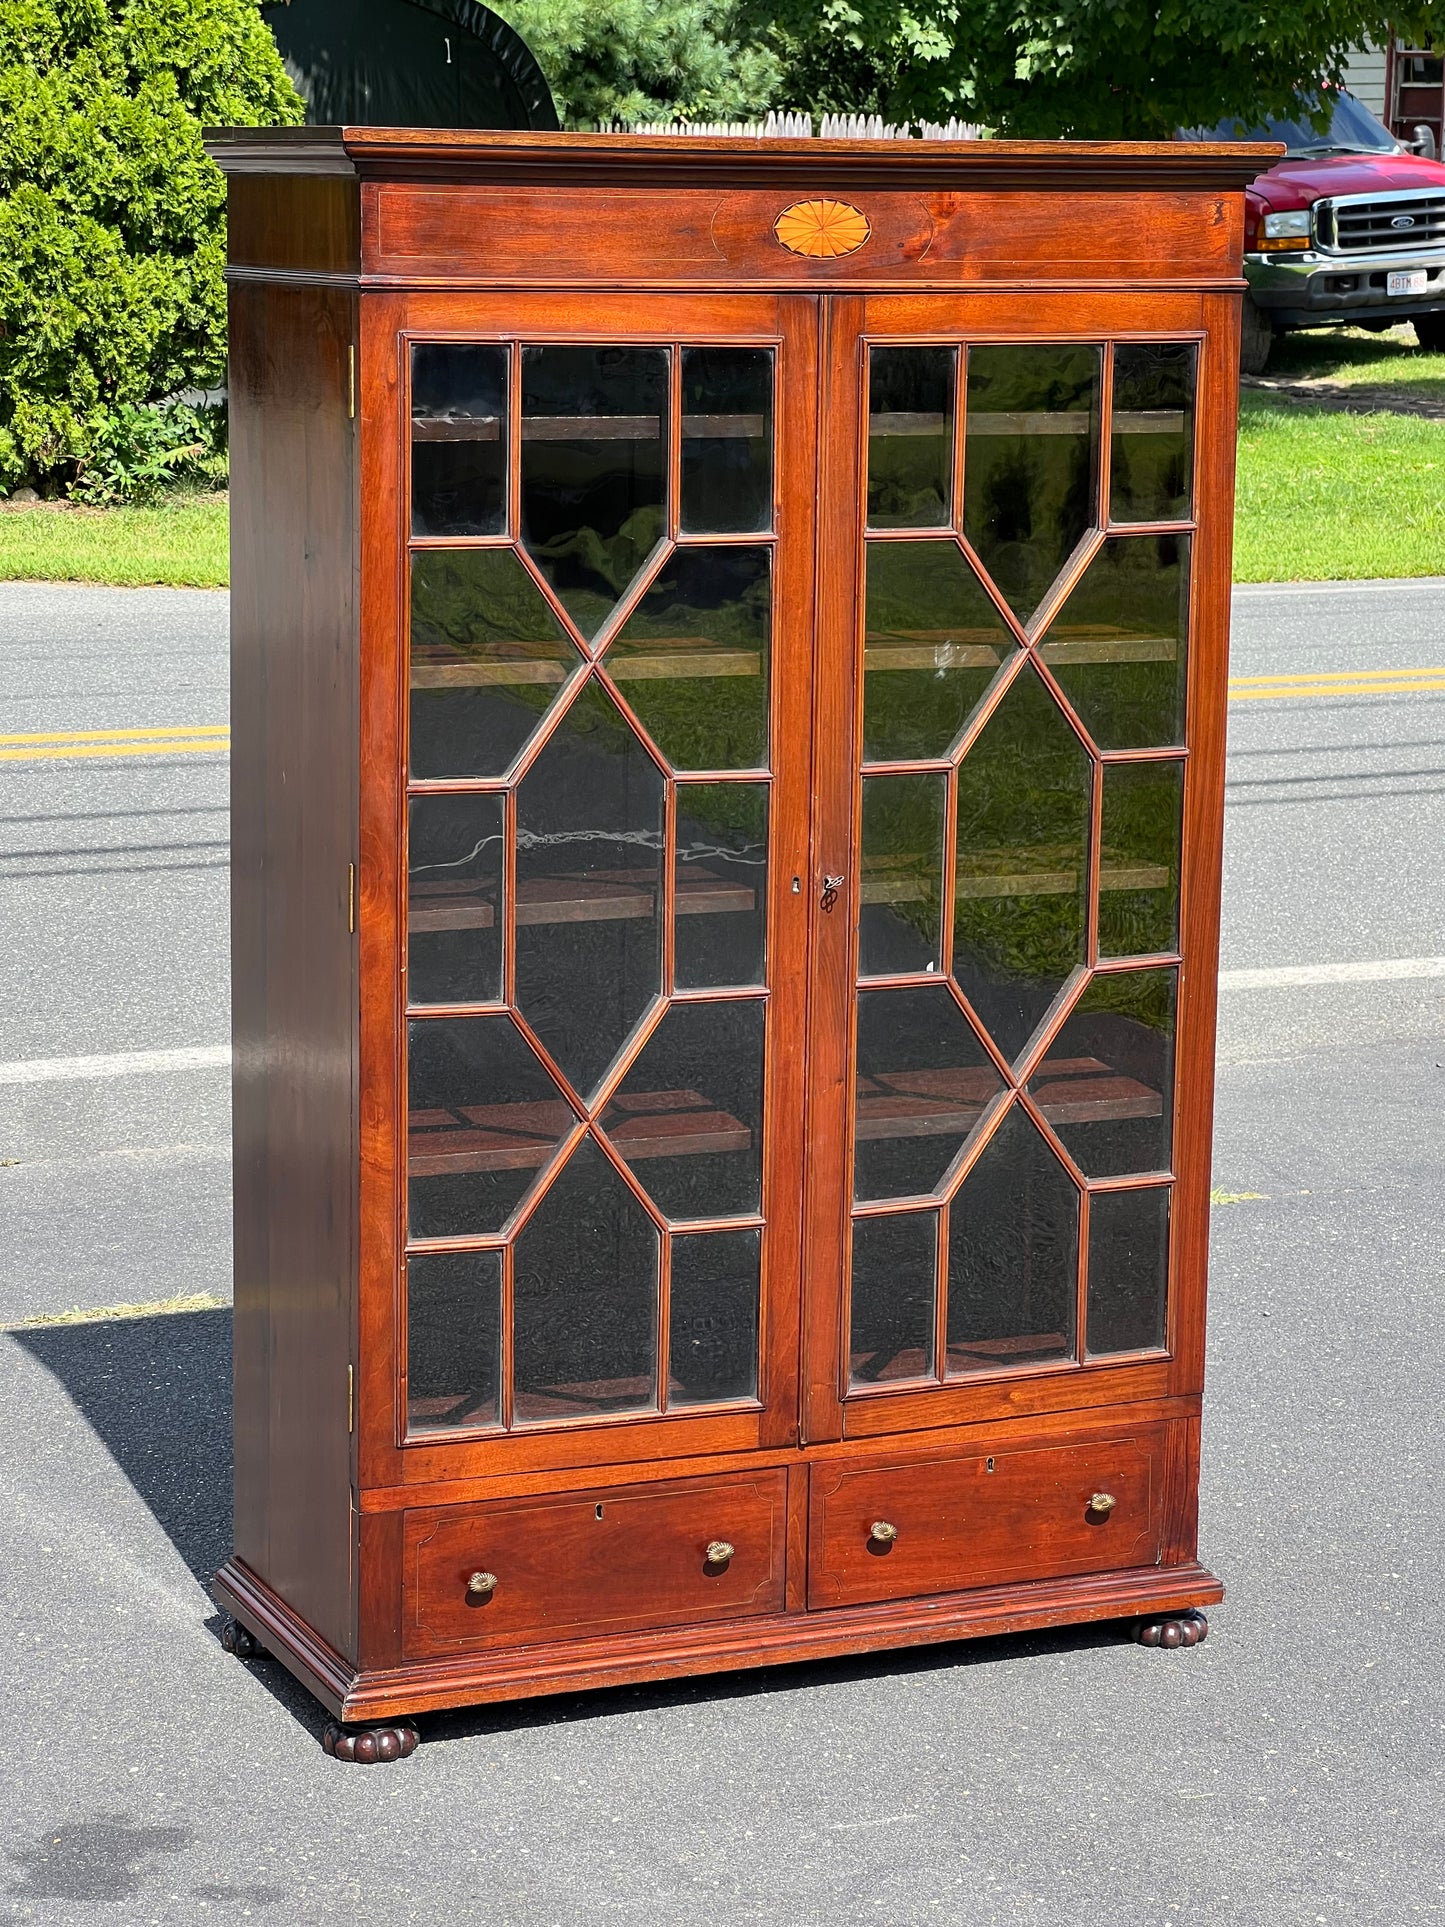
column 1354, row 399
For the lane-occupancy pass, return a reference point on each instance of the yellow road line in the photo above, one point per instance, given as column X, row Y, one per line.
column 1339, row 675
column 208, row 747
column 1422, row 682
column 52, row 746
column 187, row 730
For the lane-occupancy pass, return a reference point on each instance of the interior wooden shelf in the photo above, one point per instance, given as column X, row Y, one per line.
column 594, row 898
column 1133, row 421
column 523, row 1137
column 948, row 1103
column 883, row 1366
column 661, row 660
column 586, row 428
column 961, row 649
column 918, row 886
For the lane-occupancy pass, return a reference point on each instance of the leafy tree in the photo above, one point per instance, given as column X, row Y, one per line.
column 646, row 60
column 112, row 218
column 1093, row 69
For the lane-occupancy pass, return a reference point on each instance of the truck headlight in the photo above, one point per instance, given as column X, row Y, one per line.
column 1286, row 231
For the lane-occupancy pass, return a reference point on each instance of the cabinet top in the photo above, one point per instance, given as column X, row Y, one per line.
column 670, row 160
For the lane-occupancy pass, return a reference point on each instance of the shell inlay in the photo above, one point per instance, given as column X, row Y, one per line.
column 823, row 229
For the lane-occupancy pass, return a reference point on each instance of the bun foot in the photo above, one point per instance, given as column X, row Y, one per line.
column 370, row 1745
column 1174, row 1629
column 239, row 1641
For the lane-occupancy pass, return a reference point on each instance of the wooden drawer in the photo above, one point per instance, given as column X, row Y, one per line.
column 982, row 1521
column 611, row 1560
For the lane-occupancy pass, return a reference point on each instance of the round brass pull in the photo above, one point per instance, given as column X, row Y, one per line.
column 1102, row 1502
column 719, row 1552
column 482, row 1583
column 884, row 1533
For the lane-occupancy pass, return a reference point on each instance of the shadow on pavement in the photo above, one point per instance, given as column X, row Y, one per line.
column 157, row 1393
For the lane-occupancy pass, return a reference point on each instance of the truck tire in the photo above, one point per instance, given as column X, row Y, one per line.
column 1430, row 332
column 1256, row 338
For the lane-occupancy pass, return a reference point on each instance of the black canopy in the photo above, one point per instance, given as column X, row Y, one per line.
column 409, row 63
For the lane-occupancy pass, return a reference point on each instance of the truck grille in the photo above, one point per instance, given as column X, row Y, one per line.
column 1385, row 223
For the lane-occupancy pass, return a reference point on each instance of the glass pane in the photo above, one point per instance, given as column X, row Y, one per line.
column 688, row 1115
column 453, row 1339
column 1031, row 463
column 1013, row 1253
column 488, row 660
column 722, row 885
column 589, row 932
column 692, row 659
column 1128, row 1270
column 910, row 437
column 727, row 440
column 1152, row 460
column 924, row 1082
column 714, row 1351
column 1117, row 646
column 1107, row 1084
column 458, row 439
column 932, row 645
column 454, row 900
column 484, row 1120
column 585, row 1289
column 1139, row 867
column 902, row 874
column 594, row 470
column 895, row 1267
column 1021, row 883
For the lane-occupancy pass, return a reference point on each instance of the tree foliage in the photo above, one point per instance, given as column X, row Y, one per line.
column 647, row 60
column 112, row 228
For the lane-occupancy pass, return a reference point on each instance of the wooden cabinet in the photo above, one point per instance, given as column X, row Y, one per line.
column 729, row 647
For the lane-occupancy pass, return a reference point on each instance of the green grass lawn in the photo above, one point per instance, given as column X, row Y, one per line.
column 182, row 543
column 1322, row 495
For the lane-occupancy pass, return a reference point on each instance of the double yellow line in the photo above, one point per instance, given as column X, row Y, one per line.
column 1336, row 682
column 199, row 739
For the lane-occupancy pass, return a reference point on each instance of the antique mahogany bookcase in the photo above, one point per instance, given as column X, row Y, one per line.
column 730, row 649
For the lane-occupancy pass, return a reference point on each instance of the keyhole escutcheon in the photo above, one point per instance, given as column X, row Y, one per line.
column 831, row 887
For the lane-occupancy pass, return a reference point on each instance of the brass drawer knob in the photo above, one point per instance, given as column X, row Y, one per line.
column 883, row 1532
column 1102, row 1502
column 482, row 1583
column 719, row 1552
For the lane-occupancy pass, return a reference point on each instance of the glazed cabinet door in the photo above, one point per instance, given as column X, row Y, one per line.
column 1016, row 648
column 596, row 1001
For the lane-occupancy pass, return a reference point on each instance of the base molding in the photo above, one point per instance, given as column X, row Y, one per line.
column 476, row 1679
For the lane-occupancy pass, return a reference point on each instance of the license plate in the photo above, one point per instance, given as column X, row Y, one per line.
column 1408, row 281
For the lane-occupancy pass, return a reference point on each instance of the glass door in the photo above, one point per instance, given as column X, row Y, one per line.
column 1017, row 654
column 606, row 802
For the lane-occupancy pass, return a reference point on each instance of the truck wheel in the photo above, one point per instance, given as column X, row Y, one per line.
column 1430, row 332
column 1256, row 338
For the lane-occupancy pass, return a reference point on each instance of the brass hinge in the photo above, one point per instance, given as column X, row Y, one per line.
column 351, row 1398
column 351, row 381
column 351, row 898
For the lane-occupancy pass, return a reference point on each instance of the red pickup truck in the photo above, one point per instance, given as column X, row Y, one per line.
column 1347, row 230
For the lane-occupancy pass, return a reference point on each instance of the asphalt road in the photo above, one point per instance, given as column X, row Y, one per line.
column 1291, row 1770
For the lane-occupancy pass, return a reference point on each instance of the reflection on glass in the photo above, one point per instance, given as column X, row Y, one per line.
column 483, row 1120
column 1013, row 1252
column 1031, row 463
column 458, row 439
column 1152, row 460
column 910, row 437
column 1128, row 1270
column 722, row 885
column 454, row 900
column 1117, row 646
column 727, row 440
column 924, row 1083
column 688, row 1115
column 1021, row 882
column 902, row 874
column 487, row 661
column 594, row 470
column 453, row 1339
column 589, row 928
column 585, row 1293
column 1139, row 870
column 1107, row 1084
column 933, row 642
column 714, row 1317
column 895, row 1271
column 692, row 659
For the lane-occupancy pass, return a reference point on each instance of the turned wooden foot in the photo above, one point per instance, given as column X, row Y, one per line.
column 370, row 1745
column 1173, row 1629
column 240, row 1641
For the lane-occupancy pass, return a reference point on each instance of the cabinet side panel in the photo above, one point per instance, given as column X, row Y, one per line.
column 293, row 810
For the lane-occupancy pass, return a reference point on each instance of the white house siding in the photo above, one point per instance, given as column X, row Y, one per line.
column 1365, row 77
